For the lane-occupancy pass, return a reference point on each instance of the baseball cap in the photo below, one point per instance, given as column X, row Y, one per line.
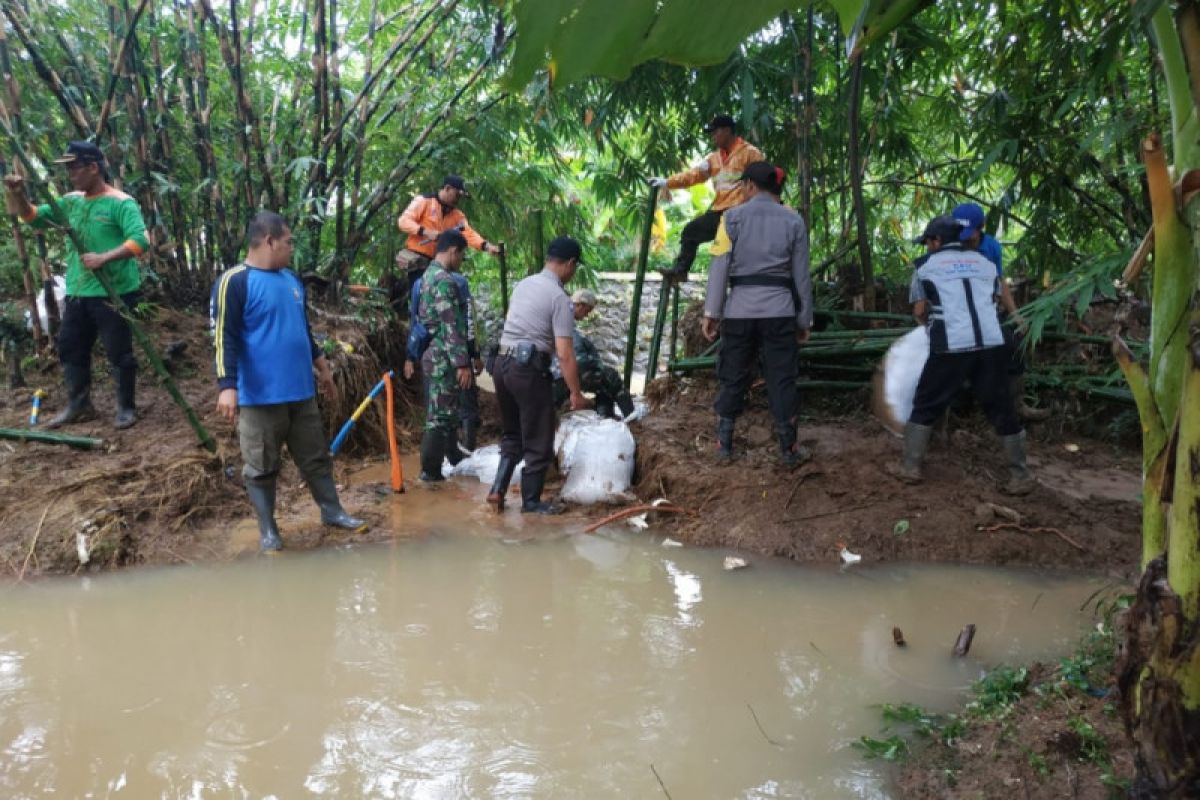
column 584, row 297
column 945, row 228
column 458, row 183
column 81, row 152
column 970, row 216
column 564, row 248
column 720, row 121
column 764, row 174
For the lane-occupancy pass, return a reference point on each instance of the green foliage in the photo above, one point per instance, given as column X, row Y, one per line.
column 997, row 691
column 893, row 748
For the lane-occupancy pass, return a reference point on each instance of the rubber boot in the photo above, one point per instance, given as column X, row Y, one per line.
column 916, row 442
column 453, row 454
column 504, row 473
column 433, row 449
column 531, row 495
column 1025, row 412
column 261, row 492
column 471, row 434
column 1020, row 480
column 625, row 403
column 325, row 493
column 791, row 454
column 725, row 439
column 79, row 408
column 126, row 408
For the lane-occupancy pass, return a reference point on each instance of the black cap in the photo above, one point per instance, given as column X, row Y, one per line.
column 720, row 121
column 458, row 183
column 764, row 175
column 82, row 153
column 945, row 228
column 564, row 248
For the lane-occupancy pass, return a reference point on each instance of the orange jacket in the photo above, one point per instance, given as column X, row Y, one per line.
column 423, row 220
column 725, row 168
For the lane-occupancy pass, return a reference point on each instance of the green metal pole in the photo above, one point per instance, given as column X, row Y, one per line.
column 674, row 324
column 636, row 308
column 60, row 219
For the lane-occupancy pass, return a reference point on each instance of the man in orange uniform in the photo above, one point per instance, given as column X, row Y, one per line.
column 725, row 168
column 426, row 217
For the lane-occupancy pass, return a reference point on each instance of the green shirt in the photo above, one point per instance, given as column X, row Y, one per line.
column 103, row 222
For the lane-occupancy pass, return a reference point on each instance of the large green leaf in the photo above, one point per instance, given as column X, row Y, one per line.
column 610, row 37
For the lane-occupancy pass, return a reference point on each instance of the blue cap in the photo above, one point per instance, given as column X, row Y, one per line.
column 970, row 216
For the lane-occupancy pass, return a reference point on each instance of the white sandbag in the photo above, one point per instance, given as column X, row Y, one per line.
column 60, row 296
column 902, row 366
column 597, row 457
column 481, row 464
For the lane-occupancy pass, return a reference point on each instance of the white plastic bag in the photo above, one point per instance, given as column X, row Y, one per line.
column 481, row 464
column 597, row 457
column 60, row 296
column 902, row 367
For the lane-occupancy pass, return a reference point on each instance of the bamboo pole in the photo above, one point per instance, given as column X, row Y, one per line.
column 660, row 321
column 539, row 241
column 504, row 279
column 46, row 437
column 636, row 308
column 135, row 327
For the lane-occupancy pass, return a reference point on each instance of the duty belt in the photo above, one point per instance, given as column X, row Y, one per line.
column 540, row 360
column 768, row 280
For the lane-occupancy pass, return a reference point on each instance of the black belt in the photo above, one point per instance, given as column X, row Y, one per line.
column 768, row 280
column 540, row 360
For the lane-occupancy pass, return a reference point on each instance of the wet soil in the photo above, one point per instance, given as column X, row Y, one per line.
column 1055, row 742
column 1084, row 514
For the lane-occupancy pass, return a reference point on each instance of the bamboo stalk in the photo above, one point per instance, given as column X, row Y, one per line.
column 115, row 68
column 77, row 115
column 46, row 437
column 134, row 326
column 639, row 280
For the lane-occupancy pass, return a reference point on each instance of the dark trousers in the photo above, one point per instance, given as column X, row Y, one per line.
column 468, row 405
column 1012, row 342
column 526, row 397
column 85, row 318
column 944, row 374
column 700, row 230
column 743, row 341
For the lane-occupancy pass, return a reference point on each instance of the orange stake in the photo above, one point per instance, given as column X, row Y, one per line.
column 397, row 469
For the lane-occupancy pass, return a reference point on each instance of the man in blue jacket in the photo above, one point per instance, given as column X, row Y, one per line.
column 265, row 354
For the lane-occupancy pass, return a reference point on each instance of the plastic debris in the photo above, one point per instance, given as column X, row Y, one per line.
column 671, row 543
column 734, row 562
column 846, row 556
column 81, row 548
column 1071, row 448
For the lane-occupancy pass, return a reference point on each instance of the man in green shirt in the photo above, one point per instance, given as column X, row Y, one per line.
column 110, row 225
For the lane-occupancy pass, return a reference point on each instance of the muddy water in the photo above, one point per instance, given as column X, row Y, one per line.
column 470, row 662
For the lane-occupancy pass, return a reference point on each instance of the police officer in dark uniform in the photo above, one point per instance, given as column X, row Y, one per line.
column 760, row 295
column 954, row 289
column 540, row 324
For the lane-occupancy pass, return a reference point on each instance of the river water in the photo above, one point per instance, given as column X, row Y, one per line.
column 472, row 661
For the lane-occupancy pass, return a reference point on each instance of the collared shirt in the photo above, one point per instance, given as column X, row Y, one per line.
column 539, row 312
column 960, row 287
column 765, row 241
column 427, row 212
column 725, row 167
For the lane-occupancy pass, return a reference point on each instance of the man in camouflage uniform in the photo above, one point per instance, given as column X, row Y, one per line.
column 446, row 363
column 594, row 375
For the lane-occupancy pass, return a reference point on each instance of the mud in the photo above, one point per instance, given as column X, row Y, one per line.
column 1087, row 497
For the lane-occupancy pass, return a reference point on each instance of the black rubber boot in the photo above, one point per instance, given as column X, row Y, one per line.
column 916, row 442
column 324, row 492
column 625, row 403
column 531, row 495
column 453, row 454
column 471, row 434
column 1020, row 480
column 725, row 439
column 433, row 449
column 504, row 473
column 78, row 381
column 261, row 492
column 126, row 408
column 791, row 454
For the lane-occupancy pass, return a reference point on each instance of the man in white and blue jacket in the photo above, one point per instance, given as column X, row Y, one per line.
column 954, row 291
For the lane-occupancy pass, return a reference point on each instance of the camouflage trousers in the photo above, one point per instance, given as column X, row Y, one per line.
column 601, row 380
column 441, row 393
